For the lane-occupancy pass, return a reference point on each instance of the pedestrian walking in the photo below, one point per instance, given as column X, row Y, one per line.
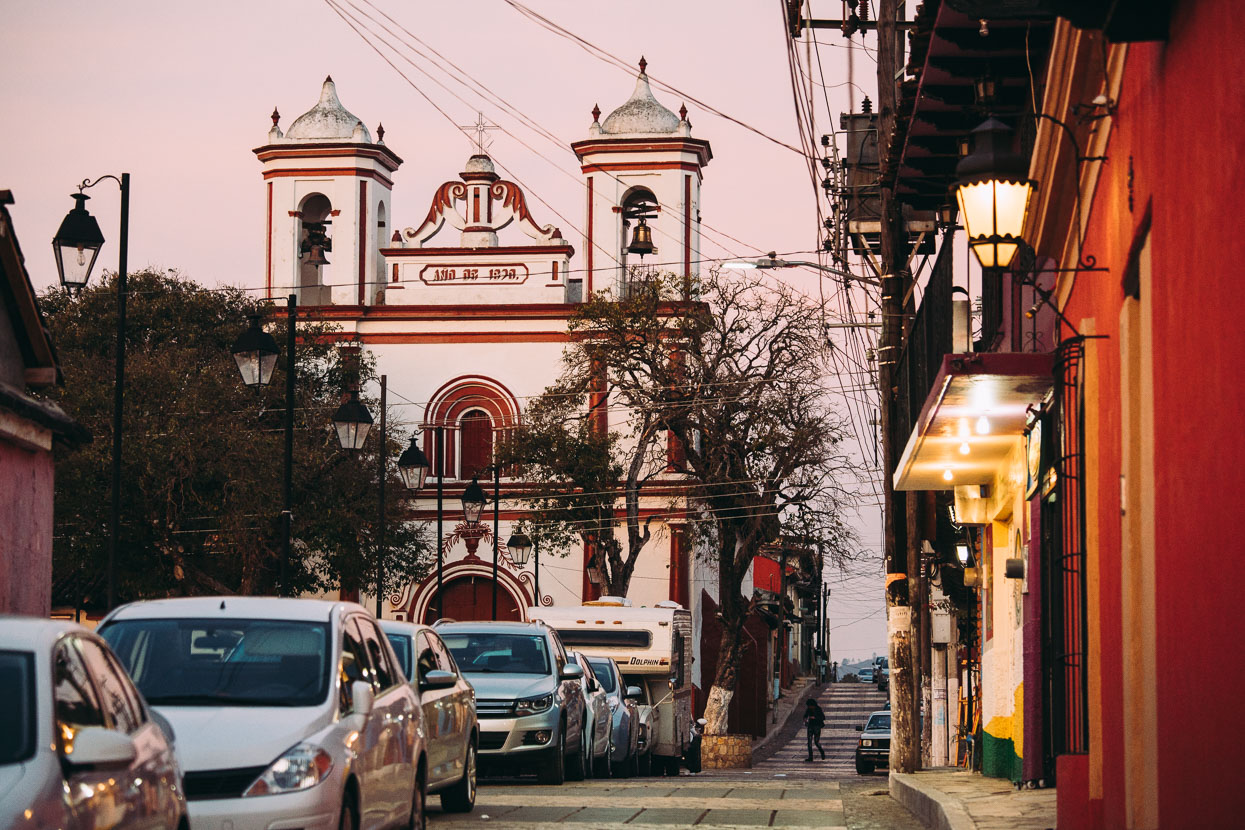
column 814, row 721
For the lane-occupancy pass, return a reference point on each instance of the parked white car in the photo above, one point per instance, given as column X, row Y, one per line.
column 597, row 725
column 79, row 749
column 288, row 712
column 449, row 704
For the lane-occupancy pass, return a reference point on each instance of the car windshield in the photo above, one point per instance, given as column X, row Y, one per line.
column 879, row 722
column 190, row 662
column 605, row 677
column 17, row 715
column 491, row 651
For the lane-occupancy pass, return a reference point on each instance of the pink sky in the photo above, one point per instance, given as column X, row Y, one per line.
column 178, row 94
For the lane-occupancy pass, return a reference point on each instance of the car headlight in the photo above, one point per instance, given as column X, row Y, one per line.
column 532, row 705
column 300, row 768
column 866, row 743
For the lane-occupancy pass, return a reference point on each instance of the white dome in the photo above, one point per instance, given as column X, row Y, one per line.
column 641, row 114
column 328, row 120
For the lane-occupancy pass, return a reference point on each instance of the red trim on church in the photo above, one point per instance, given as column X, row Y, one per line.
column 606, row 166
column 687, row 226
column 589, row 242
column 380, row 153
column 328, row 172
column 510, row 250
column 268, row 256
column 643, row 145
column 362, row 243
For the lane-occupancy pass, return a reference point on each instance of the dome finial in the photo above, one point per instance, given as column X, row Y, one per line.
column 643, row 65
column 596, row 113
column 328, row 79
column 276, row 116
column 380, row 133
column 683, row 113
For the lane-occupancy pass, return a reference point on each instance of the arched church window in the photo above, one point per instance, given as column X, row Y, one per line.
column 314, row 244
column 638, row 216
column 476, row 435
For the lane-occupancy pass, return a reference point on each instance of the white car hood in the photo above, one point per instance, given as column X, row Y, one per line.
column 505, row 686
column 210, row 737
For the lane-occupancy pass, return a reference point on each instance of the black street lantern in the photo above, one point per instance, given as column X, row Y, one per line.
column 474, row 500
column 520, row 547
column 255, row 351
column 76, row 245
column 993, row 192
column 352, row 421
column 413, row 466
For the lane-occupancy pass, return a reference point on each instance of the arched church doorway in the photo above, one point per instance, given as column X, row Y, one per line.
column 470, row 597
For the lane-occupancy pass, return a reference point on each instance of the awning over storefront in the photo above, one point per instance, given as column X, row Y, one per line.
column 972, row 418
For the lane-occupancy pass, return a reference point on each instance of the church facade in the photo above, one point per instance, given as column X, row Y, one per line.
column 467, row 311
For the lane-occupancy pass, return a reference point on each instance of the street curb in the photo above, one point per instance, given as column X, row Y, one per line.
column 933, row 807
column 761, row 748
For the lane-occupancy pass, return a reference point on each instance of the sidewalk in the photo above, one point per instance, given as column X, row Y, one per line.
column 954, row 799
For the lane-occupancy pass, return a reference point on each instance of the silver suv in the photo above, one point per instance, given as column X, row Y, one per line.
column 528, row 701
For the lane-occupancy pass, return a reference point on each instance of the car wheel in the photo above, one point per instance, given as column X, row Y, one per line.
column 577, row 765
column 601, row 766
column 419, row 804
column 554, row 770
column 461, row 798
column 863, row 767
column 644, row 765
column 348, row 820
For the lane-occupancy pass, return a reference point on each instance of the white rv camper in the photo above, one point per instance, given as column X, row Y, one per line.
column 653, row 650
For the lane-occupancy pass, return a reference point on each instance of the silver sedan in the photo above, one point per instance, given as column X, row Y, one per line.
column 78, row 746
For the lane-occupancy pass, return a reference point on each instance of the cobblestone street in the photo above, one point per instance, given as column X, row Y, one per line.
column 781, row 791
column 734, row 799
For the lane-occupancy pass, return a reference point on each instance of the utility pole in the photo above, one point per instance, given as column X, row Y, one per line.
column 904, row 755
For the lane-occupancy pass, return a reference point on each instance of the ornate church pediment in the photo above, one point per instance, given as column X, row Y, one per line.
column 481, row 205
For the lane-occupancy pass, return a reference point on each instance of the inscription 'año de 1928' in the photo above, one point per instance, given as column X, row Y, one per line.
column 473, row 275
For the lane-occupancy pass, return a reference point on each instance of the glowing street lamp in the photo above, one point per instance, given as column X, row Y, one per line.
column 993, row 193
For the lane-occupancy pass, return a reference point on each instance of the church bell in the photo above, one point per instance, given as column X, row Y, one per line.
column 641, row 239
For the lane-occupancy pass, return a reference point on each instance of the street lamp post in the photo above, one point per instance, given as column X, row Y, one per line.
column 522, row 547
column 474, row 499
column 256, row 354
column 382, row 469
column 78, row 234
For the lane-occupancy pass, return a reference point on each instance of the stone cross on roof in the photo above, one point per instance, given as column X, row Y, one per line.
column 481, row 140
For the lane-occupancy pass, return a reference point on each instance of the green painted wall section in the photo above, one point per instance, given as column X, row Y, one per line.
column 999, row 758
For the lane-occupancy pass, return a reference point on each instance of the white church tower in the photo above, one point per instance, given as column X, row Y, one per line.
column 328, row 188
column 642, row 172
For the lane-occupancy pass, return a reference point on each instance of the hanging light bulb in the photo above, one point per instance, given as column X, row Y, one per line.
column 964, row 448
column 81, row 256
column 947, row 476
column 983, row 425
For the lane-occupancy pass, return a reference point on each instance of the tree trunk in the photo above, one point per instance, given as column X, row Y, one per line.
column 730, row 653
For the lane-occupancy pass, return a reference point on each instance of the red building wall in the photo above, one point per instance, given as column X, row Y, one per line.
column 1178, row 138
column 26, row 544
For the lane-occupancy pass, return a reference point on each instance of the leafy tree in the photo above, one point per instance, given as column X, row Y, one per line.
column 587, row 476
column 736, row 375
column 202, row 455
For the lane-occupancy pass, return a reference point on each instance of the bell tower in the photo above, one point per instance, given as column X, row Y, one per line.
column 328, row 193
column 642, row 175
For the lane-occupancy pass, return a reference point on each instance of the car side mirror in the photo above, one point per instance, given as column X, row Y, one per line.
column 633, row 692
column 361, row 698
column 99, row 747
column 438, row 679
column 572, row 671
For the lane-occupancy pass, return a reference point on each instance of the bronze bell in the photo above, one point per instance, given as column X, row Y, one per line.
column 641, row 239
column 317, row 256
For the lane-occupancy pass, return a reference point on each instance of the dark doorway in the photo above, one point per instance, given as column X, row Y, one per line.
column 471, row 598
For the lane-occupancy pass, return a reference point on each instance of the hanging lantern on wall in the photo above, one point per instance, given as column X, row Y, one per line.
column 993, row 193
